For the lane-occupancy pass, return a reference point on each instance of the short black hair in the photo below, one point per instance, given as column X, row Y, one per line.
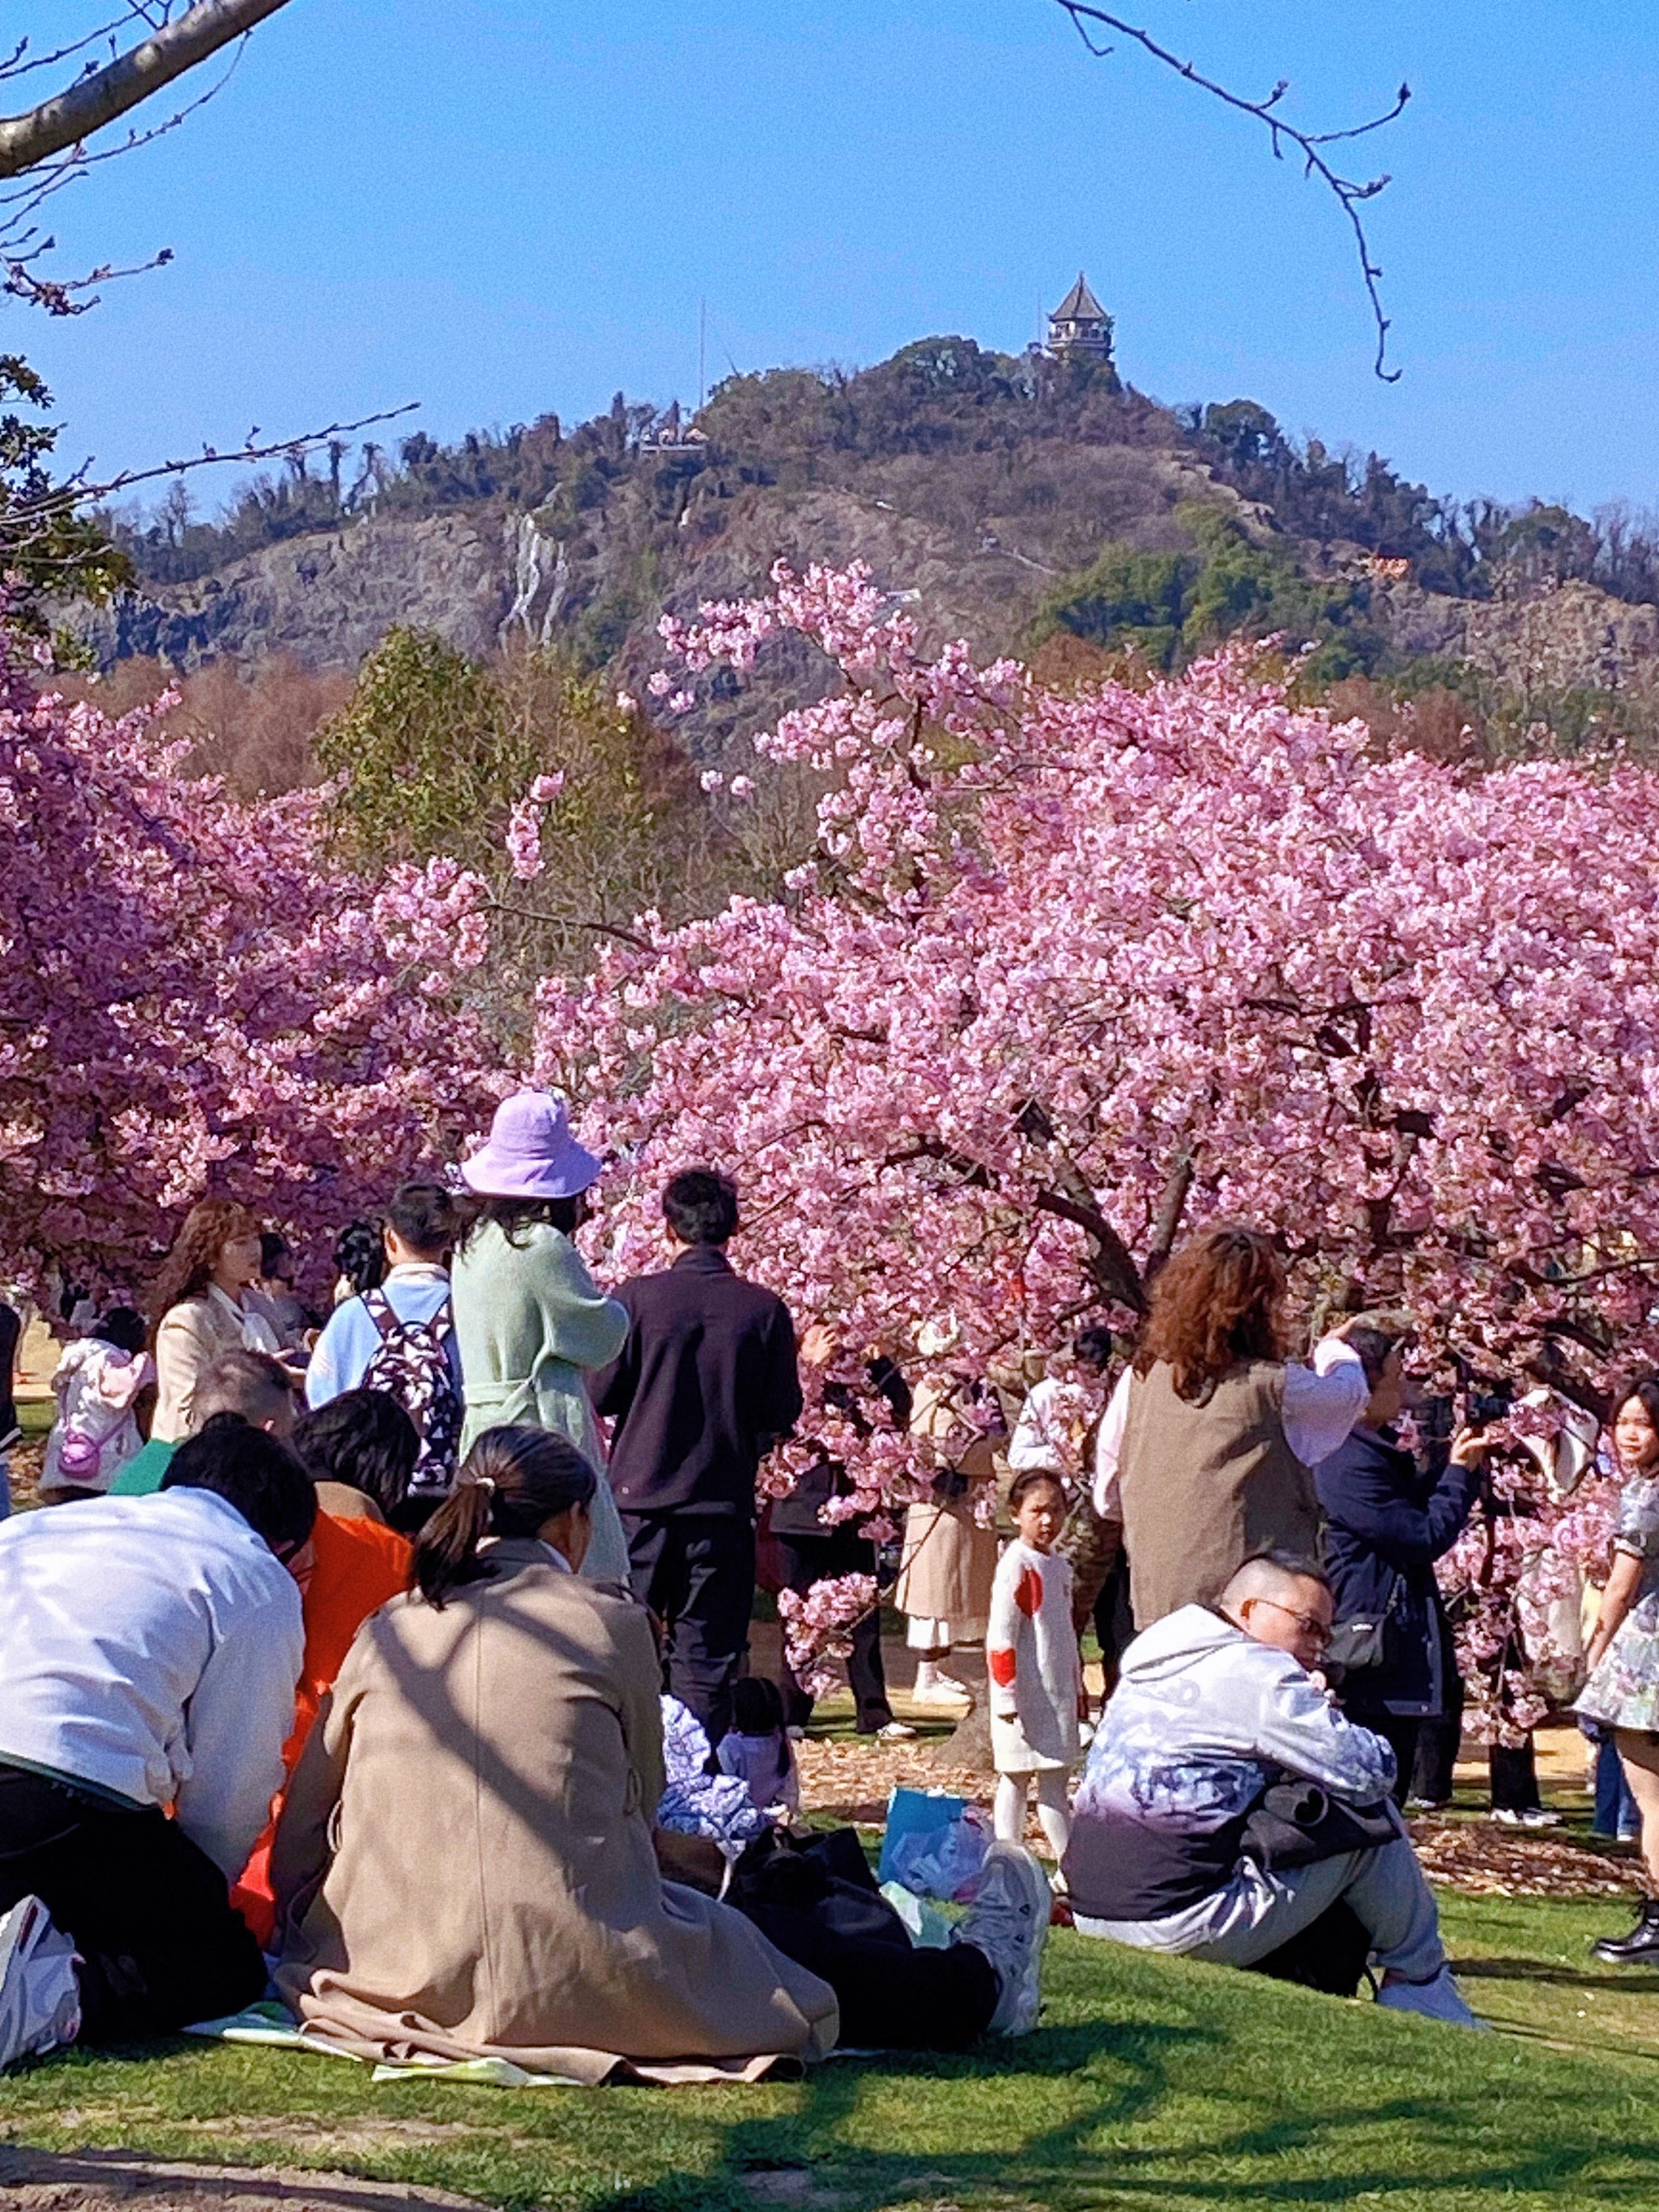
column 124, row 1327
column 422, row 1215
column 253, row 1385
column 1027, row 1481
column 701, row 1206
column 1092, row 1346
column 757, row 1705
column 252, row 1471
column 363, row 1439
column 273, row 1247
column 360, row 1254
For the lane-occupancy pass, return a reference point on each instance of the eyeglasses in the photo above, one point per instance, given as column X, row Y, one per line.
column 1317, row 1631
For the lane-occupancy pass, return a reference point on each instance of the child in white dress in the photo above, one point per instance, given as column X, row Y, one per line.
column 99, row 1380
column 1035, row 1669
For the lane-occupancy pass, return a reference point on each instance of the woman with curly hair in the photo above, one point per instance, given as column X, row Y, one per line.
column 1206, row 1451
column 198, row 1309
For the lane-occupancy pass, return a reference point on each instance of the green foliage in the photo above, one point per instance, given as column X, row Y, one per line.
column 1167, row 607
column 430, row 757
column 48, row 551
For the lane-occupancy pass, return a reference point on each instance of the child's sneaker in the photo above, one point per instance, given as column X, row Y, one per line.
column 1008, row 1921
column 39, row 1996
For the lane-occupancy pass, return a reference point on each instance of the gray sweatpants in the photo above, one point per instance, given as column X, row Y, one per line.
column 1256, row 1912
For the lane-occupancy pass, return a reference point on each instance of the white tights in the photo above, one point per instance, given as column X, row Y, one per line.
column 1008, row 1815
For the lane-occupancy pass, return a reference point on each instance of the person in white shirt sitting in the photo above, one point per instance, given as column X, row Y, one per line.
column 148, row 1650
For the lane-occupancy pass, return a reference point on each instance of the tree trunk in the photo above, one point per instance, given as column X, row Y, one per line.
column 969, row 1744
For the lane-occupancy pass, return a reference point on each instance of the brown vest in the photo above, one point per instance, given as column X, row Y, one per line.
column 1205, row 1486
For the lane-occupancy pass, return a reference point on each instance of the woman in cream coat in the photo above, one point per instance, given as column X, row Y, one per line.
column 455, row 1880
column 199, row 1309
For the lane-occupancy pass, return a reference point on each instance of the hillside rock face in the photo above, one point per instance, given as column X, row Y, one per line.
column 326, row 600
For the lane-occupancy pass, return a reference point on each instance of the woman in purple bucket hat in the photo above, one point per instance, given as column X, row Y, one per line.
column 531, row 1323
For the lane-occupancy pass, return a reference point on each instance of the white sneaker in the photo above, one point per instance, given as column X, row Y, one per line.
column 795, row 1734
column 1438, row 1999
column 943, row 1690
column 895, row 1732
column 39, row 1996
column 1008, row 1921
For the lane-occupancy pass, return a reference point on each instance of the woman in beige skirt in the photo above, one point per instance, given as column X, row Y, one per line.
column 950, row 1559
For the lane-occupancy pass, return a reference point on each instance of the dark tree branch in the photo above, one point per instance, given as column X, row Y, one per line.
column 1350, row 193
column 101, row 95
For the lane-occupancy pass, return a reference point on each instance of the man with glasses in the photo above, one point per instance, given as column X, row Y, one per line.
column 1211, row 1709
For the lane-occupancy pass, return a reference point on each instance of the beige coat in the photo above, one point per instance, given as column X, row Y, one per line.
column 949, row 1561
column 486, row 1775
column 193, row 1334
column 1205, row 1486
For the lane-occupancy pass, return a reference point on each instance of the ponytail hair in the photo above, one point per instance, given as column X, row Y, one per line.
column 514, row 1479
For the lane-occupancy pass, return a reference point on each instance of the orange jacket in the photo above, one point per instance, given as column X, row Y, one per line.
column 356, row 1566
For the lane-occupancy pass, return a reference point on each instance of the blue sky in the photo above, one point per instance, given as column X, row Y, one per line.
column 507, row 206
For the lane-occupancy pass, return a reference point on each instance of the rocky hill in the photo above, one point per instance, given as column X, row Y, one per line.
column 1001, row 498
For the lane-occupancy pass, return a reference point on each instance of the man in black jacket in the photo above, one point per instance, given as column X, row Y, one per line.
column 705, row 1385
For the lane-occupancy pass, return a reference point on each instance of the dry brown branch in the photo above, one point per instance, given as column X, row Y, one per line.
column 1350, row 193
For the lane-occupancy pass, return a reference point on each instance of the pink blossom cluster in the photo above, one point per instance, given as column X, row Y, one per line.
column 817, row 1627
column 194, row 998
column 524, row 830
column 1066, row 965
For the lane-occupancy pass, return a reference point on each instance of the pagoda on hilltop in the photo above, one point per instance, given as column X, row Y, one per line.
column 1080, row 328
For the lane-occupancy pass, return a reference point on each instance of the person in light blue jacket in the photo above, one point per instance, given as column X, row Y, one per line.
column 420, row 1228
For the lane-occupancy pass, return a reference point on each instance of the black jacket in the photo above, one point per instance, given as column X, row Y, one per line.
column 800, row 1515
column 1386, row 1525
column 706, row 1382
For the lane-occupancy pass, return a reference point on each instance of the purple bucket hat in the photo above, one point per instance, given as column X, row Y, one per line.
column 531, row 1152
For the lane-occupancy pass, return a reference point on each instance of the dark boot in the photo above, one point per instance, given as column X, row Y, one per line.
column 1641, row 1946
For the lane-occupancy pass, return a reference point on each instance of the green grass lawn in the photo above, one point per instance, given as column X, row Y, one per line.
column 1150, row 2083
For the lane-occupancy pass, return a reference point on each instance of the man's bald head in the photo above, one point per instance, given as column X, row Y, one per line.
column 1283, row 1602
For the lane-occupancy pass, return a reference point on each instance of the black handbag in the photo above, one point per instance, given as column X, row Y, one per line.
column 1361, row 1643
column 1293, row 1824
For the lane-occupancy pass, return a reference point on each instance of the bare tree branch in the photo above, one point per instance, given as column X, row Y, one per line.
column 98, row 96
column 1350, row 193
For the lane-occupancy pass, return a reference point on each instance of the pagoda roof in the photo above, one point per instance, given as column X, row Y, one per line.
column 1079, row 305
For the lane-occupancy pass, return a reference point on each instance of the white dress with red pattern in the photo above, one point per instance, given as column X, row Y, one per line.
column 1032, row 1658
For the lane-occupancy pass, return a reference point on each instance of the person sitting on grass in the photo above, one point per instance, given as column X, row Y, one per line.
column 360, row 1450
column 553, row 1940
column 149, row 1649
column 255, row 1385
column 1211, row 1709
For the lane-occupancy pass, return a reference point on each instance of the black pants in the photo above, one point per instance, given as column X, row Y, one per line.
column 697, row 1573
column 1401, row 1732
column 1513, row 1778
column 808, row 1559
column 149, row 1913
column 823, row 1911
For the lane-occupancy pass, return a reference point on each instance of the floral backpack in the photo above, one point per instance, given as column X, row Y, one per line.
column 411, row 1363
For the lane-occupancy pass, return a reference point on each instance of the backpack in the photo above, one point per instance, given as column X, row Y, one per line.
column 411, row 1363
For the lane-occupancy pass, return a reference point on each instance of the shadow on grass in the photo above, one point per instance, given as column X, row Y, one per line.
column 809, row 2162
column 1571, row 1977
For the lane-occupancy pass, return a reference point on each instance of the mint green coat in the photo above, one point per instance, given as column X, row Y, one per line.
column 531, row 1325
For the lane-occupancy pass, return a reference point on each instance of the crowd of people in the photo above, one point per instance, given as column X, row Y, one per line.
column 398, row 1660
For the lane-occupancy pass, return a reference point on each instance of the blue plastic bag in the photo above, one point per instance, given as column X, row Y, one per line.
column 935, row 1844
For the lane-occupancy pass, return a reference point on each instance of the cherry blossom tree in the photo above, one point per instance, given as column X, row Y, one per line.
column 1069, row 972
column 191, row 998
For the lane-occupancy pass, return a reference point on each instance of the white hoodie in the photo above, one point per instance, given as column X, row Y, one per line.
column 1203, row 1719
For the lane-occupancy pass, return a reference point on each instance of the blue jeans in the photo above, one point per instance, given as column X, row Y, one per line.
column 1615, row 1808
column 5, row 1485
